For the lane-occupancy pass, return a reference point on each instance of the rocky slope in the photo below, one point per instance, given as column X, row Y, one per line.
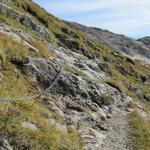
column 62, row 89
column 146, row 41
column 138, row 49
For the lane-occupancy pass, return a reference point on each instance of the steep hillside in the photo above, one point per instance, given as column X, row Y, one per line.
column 137, row 49
column 61, row 89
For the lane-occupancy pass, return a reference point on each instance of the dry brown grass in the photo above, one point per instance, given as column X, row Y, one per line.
column 140, row 131
column 11, row 49
column 47, row 137
column 43, row 49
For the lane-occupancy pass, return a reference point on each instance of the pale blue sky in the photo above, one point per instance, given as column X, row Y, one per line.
column 129, row 17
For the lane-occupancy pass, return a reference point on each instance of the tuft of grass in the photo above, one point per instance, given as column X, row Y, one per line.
column 132, row 105
column 117, row 85
column 12, row 50
column 74, row 70
column 44, row 52
column 106, row 99
column 2, row 58
column 140, row 131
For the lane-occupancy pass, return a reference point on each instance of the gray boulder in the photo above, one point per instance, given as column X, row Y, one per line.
column 4, row 145
column 103, row 66
column 29, row 125
column 42, row 71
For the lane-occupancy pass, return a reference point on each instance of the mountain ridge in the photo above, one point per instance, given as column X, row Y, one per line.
column 119, row 42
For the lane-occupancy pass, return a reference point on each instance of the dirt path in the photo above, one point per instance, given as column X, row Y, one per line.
column 117, row 136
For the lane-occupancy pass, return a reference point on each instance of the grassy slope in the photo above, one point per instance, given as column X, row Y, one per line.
column 10, row 49
column 140, row 131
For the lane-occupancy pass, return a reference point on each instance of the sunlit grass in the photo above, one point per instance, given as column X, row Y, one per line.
column 140, row 131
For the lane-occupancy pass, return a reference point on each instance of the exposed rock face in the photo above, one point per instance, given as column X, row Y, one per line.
column 19, row 36
column 92, row 138
column 24, row 19
column 68, row 84
column 4, row 145
column 42, row 70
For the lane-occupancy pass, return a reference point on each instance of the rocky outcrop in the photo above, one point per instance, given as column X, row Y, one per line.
column 41, row 70
column 18, row 36
column 24, row 19
column 146, row 41
column 4, row 145
column 44, row 72
column 83, row 104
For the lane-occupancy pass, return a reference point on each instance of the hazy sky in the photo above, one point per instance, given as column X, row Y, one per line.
column 129, row 17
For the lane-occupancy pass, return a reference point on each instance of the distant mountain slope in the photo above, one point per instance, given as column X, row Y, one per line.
column 146, row 41
column 118, row 42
